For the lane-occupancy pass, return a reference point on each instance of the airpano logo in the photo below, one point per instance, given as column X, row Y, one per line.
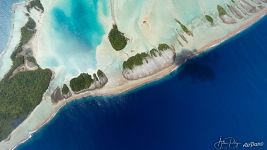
column 230, row 143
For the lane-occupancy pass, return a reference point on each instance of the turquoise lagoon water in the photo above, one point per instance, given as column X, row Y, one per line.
column 219, row 94
column 73, row 32
column 78, row 20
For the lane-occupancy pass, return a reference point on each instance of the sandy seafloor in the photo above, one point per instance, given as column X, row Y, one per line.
column 60, row 48
column 219, row 94
column 68, row 34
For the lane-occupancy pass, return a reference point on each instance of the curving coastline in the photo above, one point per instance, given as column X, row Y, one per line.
column 138, row 83
column 129, row 85
column 11, row 32
column 126, row 87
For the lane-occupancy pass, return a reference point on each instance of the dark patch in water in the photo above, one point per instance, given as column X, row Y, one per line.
column 198, row 72
column 183, row 56
column 175, row 114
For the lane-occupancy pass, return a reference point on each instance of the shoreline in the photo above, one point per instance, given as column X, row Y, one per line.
column 13, row 11
column 243, row 27
column 132, row 85
column 168, row 70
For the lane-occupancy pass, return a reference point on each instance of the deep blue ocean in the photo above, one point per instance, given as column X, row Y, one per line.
column 222, row 93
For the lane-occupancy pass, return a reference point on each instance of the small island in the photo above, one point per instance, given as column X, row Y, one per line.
column 117, row 39
column 35, row 4
column 66, row 92
column 184, row 28
column 86, row 82
column 145, row 64
column 224, row 16
column 209, row 19
column 23, row 86
column 80, row 84
column 47, row 66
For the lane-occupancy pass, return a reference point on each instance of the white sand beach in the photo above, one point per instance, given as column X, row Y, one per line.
column 18, row 19
column 142, row 37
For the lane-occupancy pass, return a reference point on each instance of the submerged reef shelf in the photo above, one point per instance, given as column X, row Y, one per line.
column 133, row 56
column 22, row 88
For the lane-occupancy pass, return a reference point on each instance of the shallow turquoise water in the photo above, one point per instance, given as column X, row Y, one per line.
column 78, row 20
column 72, row 31
column 220, row 94
column 105, row 8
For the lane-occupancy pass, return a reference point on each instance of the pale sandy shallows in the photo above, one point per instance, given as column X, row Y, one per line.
column 35, row 120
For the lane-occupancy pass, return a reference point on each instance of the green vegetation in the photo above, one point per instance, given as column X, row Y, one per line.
column 35, row 4
column 135, row 60
column 32, row 60
column 117, row 39
column 100, row 74
column 163, row 47
column 19, row 96
column 138, row 59
column 184, row 28
column 153, row 52
column 209, row 19
column 85, row 80
column 82, row 82
column 16, row 63
column 27, row 32
column 95, row 77
column 221, row 10
column 65, row 89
